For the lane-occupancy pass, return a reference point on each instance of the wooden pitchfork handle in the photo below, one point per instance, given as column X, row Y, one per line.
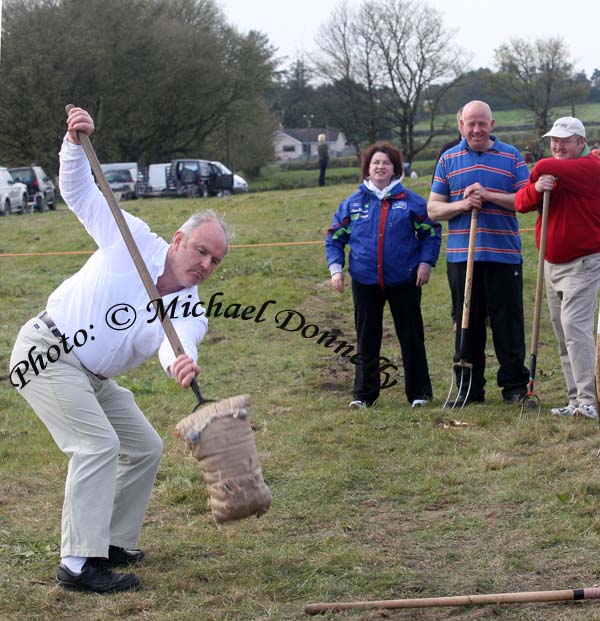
column 167, row 324
column 598, row 372
column 461, row 600
column 468, row 284
column 535, row 333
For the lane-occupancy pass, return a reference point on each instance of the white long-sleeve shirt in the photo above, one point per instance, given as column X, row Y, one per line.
column 107, row 290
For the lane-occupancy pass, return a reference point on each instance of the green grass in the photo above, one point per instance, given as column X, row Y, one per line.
column 275, row 178
column 366, row 505
column 520, row 116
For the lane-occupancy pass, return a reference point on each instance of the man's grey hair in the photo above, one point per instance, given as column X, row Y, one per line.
column 201, row 217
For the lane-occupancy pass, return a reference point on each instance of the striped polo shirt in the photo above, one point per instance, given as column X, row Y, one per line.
column 499, row 169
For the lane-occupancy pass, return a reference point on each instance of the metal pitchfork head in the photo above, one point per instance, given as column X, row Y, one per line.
column 462, row 367
column 465, row 371
column 530, row 401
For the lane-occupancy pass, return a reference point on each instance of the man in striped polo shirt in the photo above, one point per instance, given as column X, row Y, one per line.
column 483, row 173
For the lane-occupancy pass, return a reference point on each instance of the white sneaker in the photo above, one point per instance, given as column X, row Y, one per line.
column 417, row 403
column 588, row 410
column 568, row 410
column 356, row 405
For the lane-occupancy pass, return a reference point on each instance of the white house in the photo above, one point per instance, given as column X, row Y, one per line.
column 292, row 144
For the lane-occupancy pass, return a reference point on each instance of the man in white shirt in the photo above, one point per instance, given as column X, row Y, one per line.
column 97, row 324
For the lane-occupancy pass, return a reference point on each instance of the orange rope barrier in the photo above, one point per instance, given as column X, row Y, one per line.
column 265, row 245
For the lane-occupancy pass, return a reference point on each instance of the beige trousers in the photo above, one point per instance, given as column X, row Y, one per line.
column 572, row 292
column 113, row 450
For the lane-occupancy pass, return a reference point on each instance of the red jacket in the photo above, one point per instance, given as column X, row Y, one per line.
column 574, row 214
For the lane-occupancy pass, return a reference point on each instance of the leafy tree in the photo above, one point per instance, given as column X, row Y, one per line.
column 292, row 96
column 595, row 85
column 161, row 77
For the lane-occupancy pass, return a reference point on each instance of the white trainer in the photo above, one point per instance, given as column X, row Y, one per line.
column 588, row 410
column 418, row 403
column 568, row 410
column 356, row 405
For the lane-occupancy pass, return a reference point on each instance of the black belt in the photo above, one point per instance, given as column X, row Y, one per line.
column 43, row 316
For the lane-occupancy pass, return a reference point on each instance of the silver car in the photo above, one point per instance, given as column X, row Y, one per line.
column 121, row 183
column 13, row 194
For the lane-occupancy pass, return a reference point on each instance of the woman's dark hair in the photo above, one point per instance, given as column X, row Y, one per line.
column 385, row 147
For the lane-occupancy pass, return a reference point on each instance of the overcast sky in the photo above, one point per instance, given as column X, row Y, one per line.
column 481, row 25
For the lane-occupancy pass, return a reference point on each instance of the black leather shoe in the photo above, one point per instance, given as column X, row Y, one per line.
column 516, row 397
column 120, row 556
column 460, row 402
column 96, row 578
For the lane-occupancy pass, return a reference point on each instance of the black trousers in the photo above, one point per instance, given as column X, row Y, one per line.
column 405, row 306
column 497, row 293
column 322, row 169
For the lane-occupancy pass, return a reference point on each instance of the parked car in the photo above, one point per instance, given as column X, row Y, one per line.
column 239, row 183
column 136, row 176
column 40, row 187
column 121, row 183
column 13, row 194
column 189, row 177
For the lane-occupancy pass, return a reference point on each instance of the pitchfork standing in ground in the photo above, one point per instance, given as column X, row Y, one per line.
column 572, row 266
column 113, row 450
column 393, row 246
column 483, row 173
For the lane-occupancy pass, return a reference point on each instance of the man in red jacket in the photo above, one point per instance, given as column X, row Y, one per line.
column 572, row 265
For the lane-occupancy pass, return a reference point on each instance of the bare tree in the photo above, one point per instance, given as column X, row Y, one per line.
column 350, row 60
column 401, row 55
column 422, row 63
column 537, row 76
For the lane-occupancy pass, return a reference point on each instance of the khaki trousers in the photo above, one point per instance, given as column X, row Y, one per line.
column 572, row 292
column 113, row 450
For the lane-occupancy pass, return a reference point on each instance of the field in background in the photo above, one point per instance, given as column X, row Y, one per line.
column 276, row 177
column 381, row 504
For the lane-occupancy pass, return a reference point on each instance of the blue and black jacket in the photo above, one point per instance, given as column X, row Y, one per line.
column 388, row 237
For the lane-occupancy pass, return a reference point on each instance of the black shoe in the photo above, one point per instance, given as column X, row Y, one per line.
column 120, row 556
column 516, row 397
column 96, row 578
column 460, row 402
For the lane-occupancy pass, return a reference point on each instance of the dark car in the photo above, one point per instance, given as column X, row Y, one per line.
column 197, row 178
column 39, row 186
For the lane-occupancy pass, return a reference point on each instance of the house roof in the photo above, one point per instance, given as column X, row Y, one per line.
column 305, row 134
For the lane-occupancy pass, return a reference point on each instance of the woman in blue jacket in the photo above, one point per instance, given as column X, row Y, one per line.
column 393, row 246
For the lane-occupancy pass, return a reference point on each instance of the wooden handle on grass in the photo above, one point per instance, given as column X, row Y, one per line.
column 462, row 600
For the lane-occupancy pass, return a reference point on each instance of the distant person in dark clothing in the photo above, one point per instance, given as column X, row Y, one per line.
column 529, row 157
column 323, row 151
column 450, row 144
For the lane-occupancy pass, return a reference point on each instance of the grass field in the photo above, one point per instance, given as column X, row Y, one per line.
column 275, row 177
column 378, row 504
column 588, row 112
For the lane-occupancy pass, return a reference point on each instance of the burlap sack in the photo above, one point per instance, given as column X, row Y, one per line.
column 220, row 437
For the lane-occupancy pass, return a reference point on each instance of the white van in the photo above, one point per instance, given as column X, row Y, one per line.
column 157, row 178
